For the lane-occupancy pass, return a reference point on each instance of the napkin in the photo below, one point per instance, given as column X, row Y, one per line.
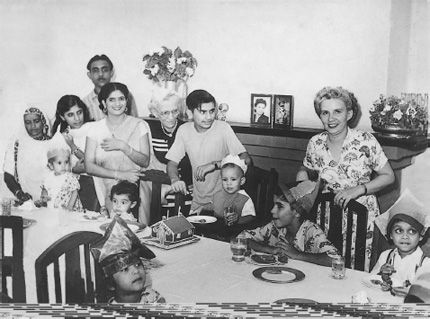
column 28, row 205
column 360, row 297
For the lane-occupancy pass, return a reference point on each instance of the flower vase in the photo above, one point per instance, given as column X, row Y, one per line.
column 397, row 131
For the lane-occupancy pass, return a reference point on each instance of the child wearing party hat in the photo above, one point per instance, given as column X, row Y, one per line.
column 405, row 225
column 233, row 170
column 60, row 187
column 290, row 233
column 122, row 257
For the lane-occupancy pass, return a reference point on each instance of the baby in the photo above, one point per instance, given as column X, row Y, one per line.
column 124, row 197
column 405, row 228
column 60, row 187
column 122, row 257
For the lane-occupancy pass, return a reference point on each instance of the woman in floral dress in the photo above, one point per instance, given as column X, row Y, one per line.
column 345, row 158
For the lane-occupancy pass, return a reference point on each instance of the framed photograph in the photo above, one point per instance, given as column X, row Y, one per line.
column 283, row 111
column 261, row 109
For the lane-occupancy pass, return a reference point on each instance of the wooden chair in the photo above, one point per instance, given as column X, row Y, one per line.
column 260, row 185
column 325, row 202
column 79, row 286
column 12, row 266
column 158, row 178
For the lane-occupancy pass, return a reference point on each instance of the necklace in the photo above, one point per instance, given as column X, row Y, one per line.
column 169, row 134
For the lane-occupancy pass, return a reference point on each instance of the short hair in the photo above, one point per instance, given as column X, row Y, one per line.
column 337, row 93
column 233, row 165
column 125, row 188
column 64, row 104
column 196, row 98
column 258, row 101
column 160, row 96
column 108, row 88
column 98, row 58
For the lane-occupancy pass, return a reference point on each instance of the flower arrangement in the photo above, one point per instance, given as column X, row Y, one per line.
column 167, row 65
column 399, row 112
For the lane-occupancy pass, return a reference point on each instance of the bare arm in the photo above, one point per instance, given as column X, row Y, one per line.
column 173, row 173
column 245, row 156
column 302, row 174
column 245, row 219
column 72, row 200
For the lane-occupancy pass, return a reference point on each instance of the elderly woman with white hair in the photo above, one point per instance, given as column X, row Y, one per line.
column 165, row 106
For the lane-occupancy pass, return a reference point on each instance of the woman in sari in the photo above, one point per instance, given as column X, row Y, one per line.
column 117, row 146
column 25, row 165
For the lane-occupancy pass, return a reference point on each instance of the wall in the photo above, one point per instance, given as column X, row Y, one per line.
column 242, row 46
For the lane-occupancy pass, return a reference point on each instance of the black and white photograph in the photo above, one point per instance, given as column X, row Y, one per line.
column 283, row 111
column 261, row 109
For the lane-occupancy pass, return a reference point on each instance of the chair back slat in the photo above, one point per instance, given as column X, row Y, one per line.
column 79, row 287
column 13, row 266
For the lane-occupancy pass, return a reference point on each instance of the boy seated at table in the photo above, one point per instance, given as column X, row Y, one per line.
column 123, row 259
column 290, row 233
column 124, row 197
column 405, row 226
column 233, row 170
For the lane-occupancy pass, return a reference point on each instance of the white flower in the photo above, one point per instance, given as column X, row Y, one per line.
column 172, row 64
column 387, row 108
column 155, row 69
column 411, row 111
column 190, row 71
column 182, row 60
column 398, row 115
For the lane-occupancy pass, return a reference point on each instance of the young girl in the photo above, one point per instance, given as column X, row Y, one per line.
column 122, row 257
column 405, row 228
column 60, row 187
column 124, row 197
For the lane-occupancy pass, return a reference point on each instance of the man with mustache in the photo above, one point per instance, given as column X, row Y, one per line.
column 100, row 72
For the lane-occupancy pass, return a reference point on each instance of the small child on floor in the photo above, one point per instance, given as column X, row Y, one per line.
column 405, row 226
column 124, row 197
column 60, row 187
column 290, row 233
column 233, row 170
column 124, row 259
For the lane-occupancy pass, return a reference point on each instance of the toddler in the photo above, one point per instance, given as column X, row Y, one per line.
column 233, row 171
column 290, row 233
column 124, row 197
column 405, row 225
column 60, row 187
column 122, row 257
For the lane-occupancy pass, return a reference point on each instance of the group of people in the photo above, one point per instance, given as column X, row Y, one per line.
column 102, row 145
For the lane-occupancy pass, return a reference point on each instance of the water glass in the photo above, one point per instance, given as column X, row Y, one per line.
column 338, row 267
column 238, row 247
column 230, row 215
column 6, row 206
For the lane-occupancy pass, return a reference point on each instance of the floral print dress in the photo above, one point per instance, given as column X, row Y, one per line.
column 361, row 154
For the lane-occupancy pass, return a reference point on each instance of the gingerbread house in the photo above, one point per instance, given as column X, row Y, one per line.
column 173, row 229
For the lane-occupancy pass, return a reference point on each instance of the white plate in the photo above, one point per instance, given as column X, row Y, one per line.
column 201, row 219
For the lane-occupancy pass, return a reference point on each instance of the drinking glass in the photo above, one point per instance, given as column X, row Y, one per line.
column 338, row 267
column 230, row 215
column 238, row 247
column 6, row 206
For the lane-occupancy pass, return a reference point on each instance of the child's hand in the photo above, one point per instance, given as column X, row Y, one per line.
column 287, row 249
column 232, row 219
column 131, row 176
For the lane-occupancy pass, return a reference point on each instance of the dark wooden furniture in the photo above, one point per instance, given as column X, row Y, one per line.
column 325, row 203
column 12, row 266
column 87, row 193
column 80, row 286
column 158, row 178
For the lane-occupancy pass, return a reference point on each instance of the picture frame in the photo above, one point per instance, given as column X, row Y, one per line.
column 282, row 111
column 261, row 110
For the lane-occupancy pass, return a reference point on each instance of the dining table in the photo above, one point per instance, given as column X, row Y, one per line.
column 201, row 270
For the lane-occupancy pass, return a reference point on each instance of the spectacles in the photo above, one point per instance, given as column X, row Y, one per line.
column 166, row 114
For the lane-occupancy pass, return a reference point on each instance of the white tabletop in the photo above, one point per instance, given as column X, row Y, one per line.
column 202, row 271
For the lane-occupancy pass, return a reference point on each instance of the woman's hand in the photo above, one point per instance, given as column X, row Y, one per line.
column 79, row 168
column 343, row 197
column 69, row 140
column 112, row 144
column 202, row 170
column 131, row 176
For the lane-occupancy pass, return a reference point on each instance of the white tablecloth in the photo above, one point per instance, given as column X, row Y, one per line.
column 202, row 271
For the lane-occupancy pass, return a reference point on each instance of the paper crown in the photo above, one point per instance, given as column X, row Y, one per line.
column 58, row 152
column 302, row 196
column 235, row 159
column 118, row 248
column 408, row 209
